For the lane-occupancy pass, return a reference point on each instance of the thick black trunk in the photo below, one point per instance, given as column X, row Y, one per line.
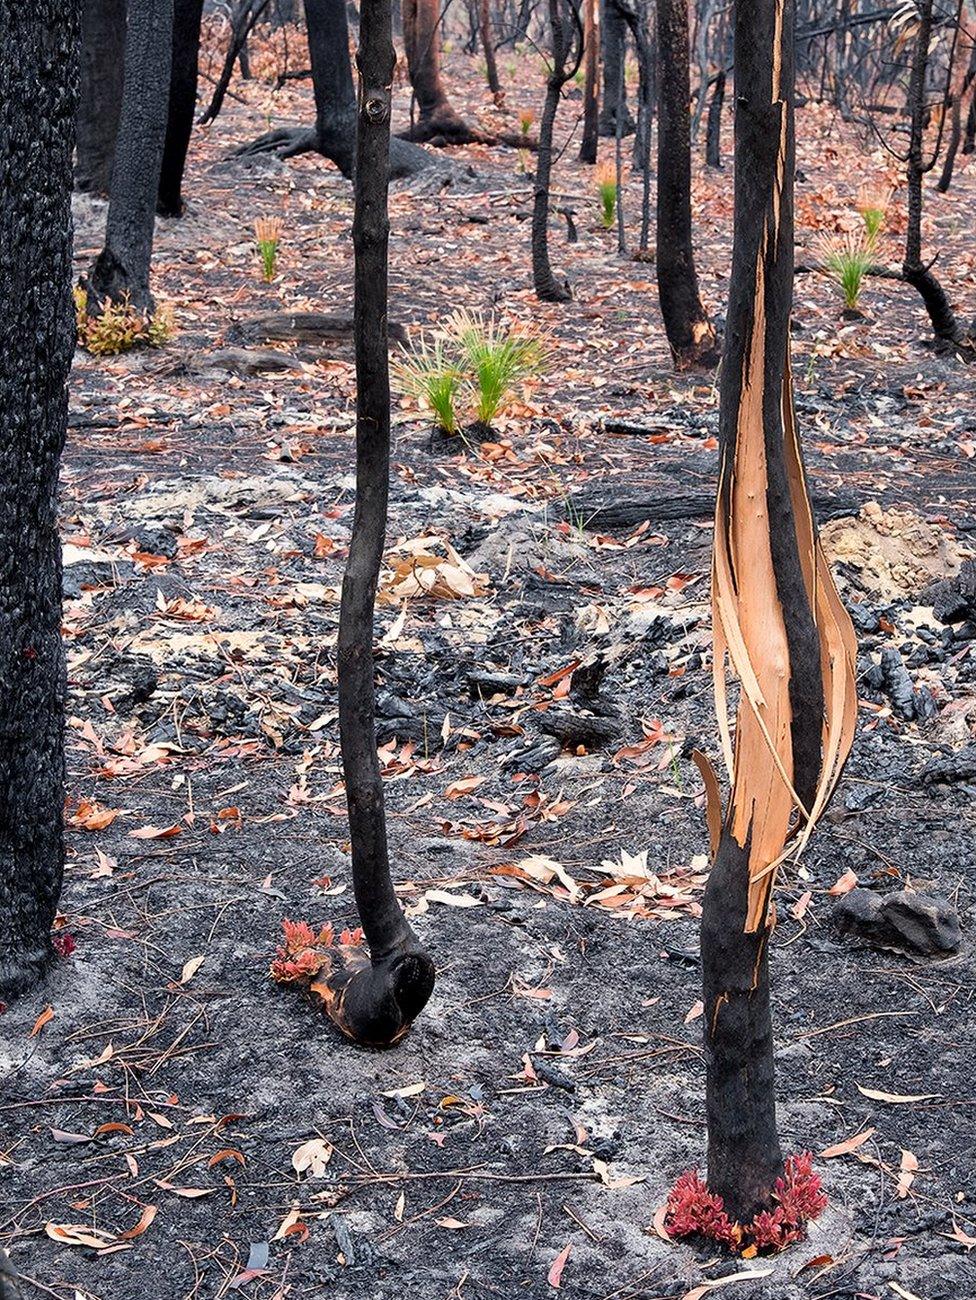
column 182, row 108
column 690, row 333
column 613, row 43
column 547, row 288
column 373, row 1004
column 759, row 566
column 38, row 80
column 121, row 269
column 100, row 97
column 335, row 98
column 488, row 46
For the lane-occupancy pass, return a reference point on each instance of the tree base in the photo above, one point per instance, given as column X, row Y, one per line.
column 441, row 128
column 406, row 159
column 19, row 973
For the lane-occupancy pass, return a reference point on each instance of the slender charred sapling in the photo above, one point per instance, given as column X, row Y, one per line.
column 776, row 616
column 121, row 270
column 373, row 1001
column 38, row 77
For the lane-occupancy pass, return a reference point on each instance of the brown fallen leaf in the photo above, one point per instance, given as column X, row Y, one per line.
column 148, row 1214
column 555, row 1274
column 228, row 1153
column 44, row 1018
column 844, row 884
column 455, row 1225
column 957, row 1234
column 906, row 1173
column 895, row 1098
column 848, row 1145
column 79, row 1234
column 156, row 832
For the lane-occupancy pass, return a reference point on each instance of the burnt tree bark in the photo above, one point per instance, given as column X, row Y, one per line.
column 100, row 97
column 562, row 69
column 375, row 1002
column 184, row 72
column 613, row 44
column 591, row 84
column 334, row 133
column 121, row 269
column 945, row 326
column 488, row 46
column 713, row 124
column 691, row 334
column 776, row 614
column 38, row 81
column 437, row 121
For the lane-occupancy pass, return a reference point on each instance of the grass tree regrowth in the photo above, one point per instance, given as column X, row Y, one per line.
column 777, row 619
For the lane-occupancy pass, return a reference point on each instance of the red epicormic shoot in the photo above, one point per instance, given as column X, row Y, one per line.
column 303, row 952
column 693, row 1210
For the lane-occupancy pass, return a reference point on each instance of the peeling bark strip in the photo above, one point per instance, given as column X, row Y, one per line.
column 778, row 619
column 38, row 73
column 373, row 1003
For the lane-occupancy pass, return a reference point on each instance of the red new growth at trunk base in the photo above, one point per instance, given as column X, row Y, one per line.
column 694, row 1211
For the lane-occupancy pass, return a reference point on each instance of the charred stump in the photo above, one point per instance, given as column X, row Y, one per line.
column 38, row 78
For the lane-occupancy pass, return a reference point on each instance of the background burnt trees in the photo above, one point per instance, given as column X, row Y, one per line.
column 437, row 120
column 690, row 332
column 38, row 69
column 567, row 51
column 613, row 44
column 100, row 97
column 334, row 133
column 591, row 84
column 776, row 614
column 121, row 269
column 182, row 106
column 375, row 1002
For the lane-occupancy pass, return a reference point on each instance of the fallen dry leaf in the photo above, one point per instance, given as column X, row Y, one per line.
column 555, row 1275
column 848, row 1145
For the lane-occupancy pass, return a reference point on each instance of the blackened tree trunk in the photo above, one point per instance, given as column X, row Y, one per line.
column 547, row 287
column 488, row 46
column 690, row 332
column 184, row 72
column 121, row 270
column 713, row 127
column 100, row 97
column 947, row 330
column 591, row 84
column 38, row 80
column 613, row 42
column 373, row 1003
column 437, row 121
column 776, row 614
column 334, row 133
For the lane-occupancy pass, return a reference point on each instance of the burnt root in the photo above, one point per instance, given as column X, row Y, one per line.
column 375, row 1003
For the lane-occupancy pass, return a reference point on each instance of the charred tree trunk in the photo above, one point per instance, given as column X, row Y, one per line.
column 944, row 324
column 613, row 42
column 488, row 45
column 100, row 97
column 334, row 133
column 713, row 127
column 437, row 121
column 591, row 85
column 121, row 269
column 690, row 332
column 547, row 287
column 187, row 15
column 373, row 1003
column 776, row 614
column 38, row 81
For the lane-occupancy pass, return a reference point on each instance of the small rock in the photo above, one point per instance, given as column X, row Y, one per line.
column 918, row 924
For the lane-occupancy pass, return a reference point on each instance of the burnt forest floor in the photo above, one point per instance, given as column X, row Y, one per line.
column 552, row 1091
